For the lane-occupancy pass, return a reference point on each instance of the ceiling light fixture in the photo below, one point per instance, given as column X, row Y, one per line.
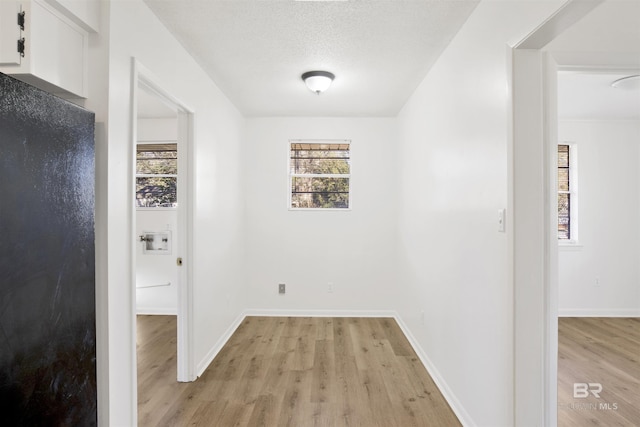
column 318, row 81
column 627, row 83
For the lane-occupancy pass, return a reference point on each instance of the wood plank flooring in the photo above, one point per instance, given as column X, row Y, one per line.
column 604, row 351
column 291, row 371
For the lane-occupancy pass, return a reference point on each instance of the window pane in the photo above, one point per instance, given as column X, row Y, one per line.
column 319, row 165
column 157, row 163
column 564, row 231
column 157, row 166
column 319, row 158
column 563, row 179
column 320, row 193
column 563, row 156
column 156, row 192
column 156, row 159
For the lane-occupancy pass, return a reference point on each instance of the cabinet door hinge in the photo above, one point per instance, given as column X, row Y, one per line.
column 21, row 47
column 21, row 20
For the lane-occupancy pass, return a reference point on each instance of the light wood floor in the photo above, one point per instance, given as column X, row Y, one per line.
column 298, row 372
column 604, row 351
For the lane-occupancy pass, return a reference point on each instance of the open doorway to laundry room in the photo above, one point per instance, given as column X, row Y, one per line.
column 156, row 231
column 162, row 128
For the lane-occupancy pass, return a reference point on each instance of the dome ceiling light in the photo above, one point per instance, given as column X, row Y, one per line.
column 318, row 81
column 627, row 83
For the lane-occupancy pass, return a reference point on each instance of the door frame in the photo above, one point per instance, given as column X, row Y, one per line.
column 142, row 77
column 533, row 249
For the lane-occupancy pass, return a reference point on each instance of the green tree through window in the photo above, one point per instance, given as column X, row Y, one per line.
column 566, row 194
column 319, row 174
column 156, row 175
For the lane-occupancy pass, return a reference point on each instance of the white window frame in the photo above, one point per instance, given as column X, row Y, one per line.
column 290, row 175
column 573, row 195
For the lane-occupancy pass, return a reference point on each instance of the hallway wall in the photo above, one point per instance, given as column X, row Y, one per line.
column 218, row 294
column 354, row 249
column 453, row 267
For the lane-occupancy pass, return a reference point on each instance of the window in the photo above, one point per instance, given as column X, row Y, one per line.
column 567, row 194
column 319, row 174
column 156, row 175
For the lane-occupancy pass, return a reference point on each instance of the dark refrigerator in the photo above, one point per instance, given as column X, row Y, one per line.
column 47, row 260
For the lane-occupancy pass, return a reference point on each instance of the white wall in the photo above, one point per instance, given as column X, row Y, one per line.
column 354, row 249
column 218, row 288
column 609, row 213
column 453, row 179
column 156, row 272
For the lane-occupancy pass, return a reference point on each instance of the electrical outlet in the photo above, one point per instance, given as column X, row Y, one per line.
column 597, row 284
column 330, row 287
column 281, row 288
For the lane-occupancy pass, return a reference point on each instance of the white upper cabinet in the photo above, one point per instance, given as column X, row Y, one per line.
column 54, row 48
column 10, row 33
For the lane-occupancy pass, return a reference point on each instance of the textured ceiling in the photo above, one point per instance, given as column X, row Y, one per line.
column 256, row 50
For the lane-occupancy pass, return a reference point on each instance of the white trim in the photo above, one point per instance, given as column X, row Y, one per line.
column 153, row 286
column 321, row 209
column 158, row 209
column 532, row 230
column 564, row 246
column 614, row 121
column 568, row 14
column 598, row 62
column 185, row 246
column 156, row 141
column 224, row 338
column 154, row 175
column 599, row 312
column 131, row 232
column 550, row 79
column 156, row 311
column 535, row 257
column 319, row 313
column 321, row 175
column 438, row 379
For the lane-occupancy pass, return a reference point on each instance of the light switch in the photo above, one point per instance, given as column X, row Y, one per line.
column 501, row 220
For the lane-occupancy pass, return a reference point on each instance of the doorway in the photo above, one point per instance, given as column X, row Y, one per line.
column 161, row 211
column 533, row 174
column 156, row 206
column 598, row 281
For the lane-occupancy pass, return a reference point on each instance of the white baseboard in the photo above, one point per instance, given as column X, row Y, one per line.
column 319, row 313
column 442, row 385
column 599, row 312
column 213, row 352
column 159, row 311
